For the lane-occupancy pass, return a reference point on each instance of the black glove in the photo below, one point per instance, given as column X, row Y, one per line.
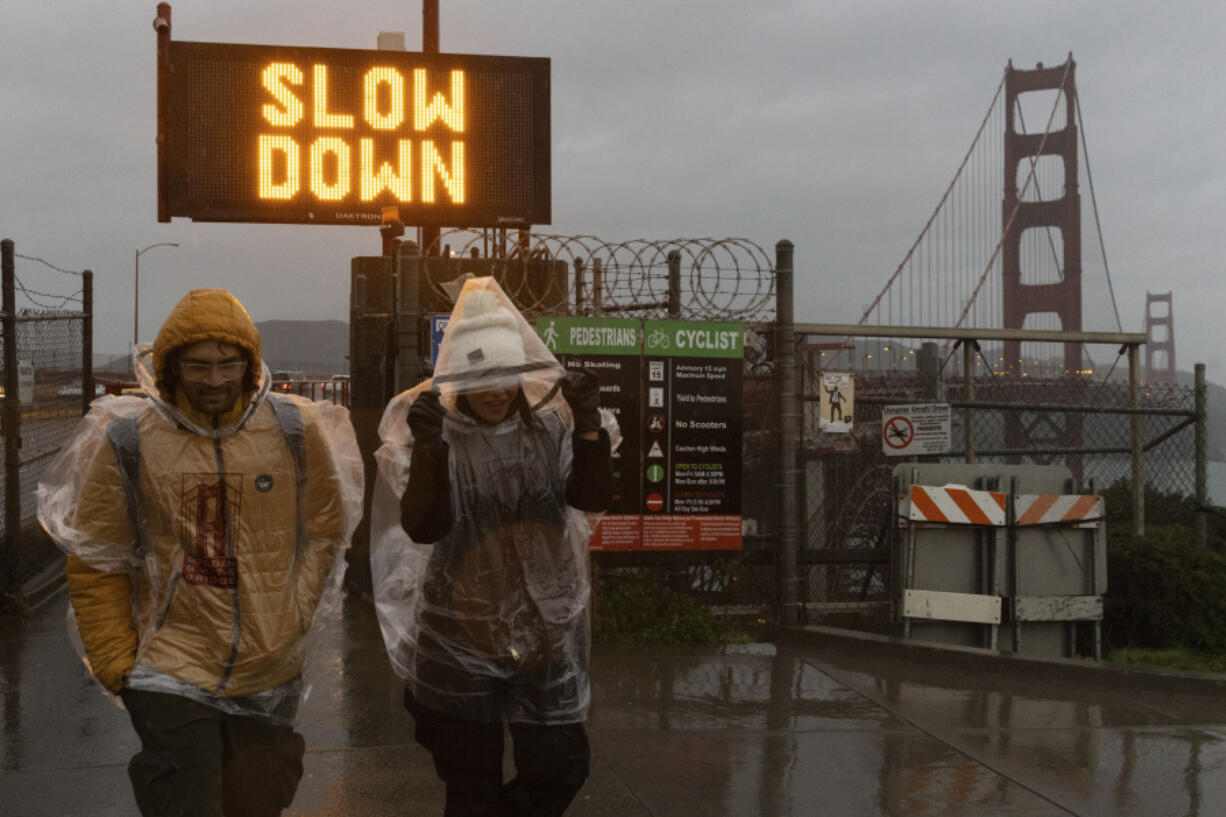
column 426, row 418
column 582, row 392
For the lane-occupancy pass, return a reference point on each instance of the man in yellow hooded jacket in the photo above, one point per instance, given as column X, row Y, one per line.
column 204, row 520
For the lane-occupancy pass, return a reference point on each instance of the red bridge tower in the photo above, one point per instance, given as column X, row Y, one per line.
column 1062, row 297
column 1159, row 339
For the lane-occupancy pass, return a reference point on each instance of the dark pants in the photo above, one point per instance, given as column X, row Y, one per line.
column 551, row 763
column 197, row 761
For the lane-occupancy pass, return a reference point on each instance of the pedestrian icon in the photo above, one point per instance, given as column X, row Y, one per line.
column 550, row 336
column 655, row 452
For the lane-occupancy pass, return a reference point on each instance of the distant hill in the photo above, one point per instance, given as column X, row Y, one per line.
column 319, row 348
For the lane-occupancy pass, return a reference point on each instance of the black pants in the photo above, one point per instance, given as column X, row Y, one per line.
column 197, row 761
column 551, row 763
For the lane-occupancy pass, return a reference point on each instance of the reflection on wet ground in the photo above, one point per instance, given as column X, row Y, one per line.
column 808, row 727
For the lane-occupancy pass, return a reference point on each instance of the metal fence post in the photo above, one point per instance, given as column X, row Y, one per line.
column 87, row 339
column 10, row 556
column 674, row 284
column 789, row 433
column 408, row 316
column 579, row 301
column 1138, row 470
column 597, row 285
column 1202, row 498
column 969, row 347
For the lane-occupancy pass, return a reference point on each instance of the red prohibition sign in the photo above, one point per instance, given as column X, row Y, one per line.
column 898, row 432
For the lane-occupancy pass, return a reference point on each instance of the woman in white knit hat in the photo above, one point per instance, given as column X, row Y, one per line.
column 479, row 551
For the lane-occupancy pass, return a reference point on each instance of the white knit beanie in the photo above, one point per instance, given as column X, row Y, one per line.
column 485, row 336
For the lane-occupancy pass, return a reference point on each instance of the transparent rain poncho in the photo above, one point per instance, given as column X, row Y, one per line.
column 228, row 575
column 492, row 620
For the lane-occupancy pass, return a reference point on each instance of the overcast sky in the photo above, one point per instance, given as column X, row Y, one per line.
column 836, row 125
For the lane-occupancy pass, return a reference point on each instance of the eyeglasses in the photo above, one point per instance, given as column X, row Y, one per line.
column 228, row 370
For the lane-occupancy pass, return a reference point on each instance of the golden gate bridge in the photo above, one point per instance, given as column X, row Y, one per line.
column 1009, row 256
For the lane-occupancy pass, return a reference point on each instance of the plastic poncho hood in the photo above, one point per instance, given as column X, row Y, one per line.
column 201, row 558
column 488, row 344
column 500, row 602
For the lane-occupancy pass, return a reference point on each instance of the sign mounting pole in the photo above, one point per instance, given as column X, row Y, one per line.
column 161, row 24
column 428, row 236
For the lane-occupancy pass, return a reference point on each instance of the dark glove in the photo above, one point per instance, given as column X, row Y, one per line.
column 582, row 392
column 426, row 418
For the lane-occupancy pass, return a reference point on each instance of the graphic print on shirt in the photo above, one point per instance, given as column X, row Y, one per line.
column 506, row 479
column 208, row 517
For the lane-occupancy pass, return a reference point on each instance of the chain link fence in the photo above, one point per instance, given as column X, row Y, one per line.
column 48, row 383
column 1036, row 413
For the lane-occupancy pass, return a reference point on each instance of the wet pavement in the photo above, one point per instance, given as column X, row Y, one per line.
column 821, row 723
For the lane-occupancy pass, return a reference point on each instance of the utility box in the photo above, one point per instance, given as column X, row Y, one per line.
column 998, row 556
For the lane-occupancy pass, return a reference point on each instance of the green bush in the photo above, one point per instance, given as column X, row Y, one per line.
column 1162, row 508
column 1164, row 592
column 645, row 612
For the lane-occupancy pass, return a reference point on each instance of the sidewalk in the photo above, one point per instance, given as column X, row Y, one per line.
column 822, row 724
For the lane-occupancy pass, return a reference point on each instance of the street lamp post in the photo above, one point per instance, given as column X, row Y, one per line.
column 136, row 290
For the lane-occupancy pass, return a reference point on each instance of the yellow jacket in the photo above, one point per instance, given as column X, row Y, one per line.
column 221, row 584
column 223, row 593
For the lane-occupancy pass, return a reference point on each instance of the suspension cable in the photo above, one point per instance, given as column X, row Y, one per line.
column 1085, row 152
column 940, row 204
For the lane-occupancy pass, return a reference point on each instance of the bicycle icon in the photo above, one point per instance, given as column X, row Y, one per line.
column 658, row 339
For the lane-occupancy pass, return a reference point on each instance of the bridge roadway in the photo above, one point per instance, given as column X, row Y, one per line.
column 820, row 723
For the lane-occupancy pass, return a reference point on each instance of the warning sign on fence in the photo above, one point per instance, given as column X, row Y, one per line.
column 915, row 429
column 836, row 402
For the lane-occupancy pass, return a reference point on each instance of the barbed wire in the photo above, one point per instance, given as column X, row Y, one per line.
column 729, row 279
column 34, row 295
column 47, row 264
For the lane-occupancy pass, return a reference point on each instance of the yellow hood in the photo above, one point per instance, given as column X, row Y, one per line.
column 206, row 314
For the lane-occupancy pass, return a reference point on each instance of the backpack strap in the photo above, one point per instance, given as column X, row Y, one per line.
column 124, row 437
column 289, row 418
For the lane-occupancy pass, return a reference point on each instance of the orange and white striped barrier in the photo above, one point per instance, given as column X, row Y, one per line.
column 955, row 505
column 1057, row 509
